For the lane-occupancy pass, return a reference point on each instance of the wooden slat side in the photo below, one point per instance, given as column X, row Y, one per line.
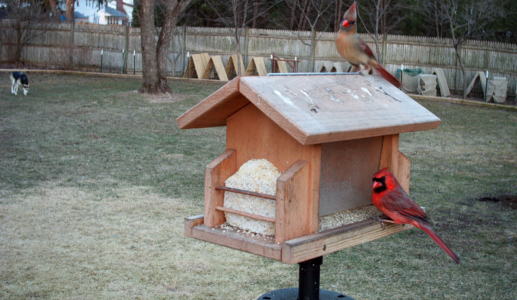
column 390, row 154
column 215, row 109
column 256, row 65
column 315, row 180
column 239, row 241
column 219, row 68
column 293, row 204
column 281, row 66
column 239, row 191
column 245, row 214
column 307, row 247
column 191, row 222
column 404, row 171
column 208, row 70
column 215, row 174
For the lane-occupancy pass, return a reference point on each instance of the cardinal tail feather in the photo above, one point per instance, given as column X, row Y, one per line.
column 441, row 243
column 388, row 76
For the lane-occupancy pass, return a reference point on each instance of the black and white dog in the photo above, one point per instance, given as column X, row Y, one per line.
column 18, row 78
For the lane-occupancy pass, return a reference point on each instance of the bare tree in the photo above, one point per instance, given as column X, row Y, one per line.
column 375, row 21
column 317, row 14
column 236, row 15
column 154, row 53
column 467, row 19
column 70, row 11
column 27, row 20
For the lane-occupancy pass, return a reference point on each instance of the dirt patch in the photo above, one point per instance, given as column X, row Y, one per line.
column 510, row 200
column 160, row 98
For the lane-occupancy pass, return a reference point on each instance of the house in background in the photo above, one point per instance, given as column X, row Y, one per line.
column 114, row 12
column 80, row 18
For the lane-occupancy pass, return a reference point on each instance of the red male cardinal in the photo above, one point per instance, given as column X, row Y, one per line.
column 389, row 197
column 352, row 48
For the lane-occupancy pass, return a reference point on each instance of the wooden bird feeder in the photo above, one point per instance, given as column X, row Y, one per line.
column 327, row 135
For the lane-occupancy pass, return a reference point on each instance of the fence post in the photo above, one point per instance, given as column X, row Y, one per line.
column 71, row 45
column 384, row 48
column 126, row 54
column 313, row 54
column 246, row 42
column 184, row 49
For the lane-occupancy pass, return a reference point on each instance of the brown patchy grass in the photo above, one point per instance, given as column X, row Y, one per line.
column 95, row 181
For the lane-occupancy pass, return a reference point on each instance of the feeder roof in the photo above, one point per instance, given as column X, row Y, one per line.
column 316, row 109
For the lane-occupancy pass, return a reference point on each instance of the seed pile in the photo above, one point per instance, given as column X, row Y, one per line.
column 349, row 216
column 256, row 175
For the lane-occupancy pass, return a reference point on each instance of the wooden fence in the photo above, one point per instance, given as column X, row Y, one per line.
column 80, row 47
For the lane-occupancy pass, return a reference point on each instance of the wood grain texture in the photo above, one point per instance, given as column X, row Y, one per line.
column 215, row 109
column 271, row 142
column 191, row 222
column 257, row 66
column 252, row 244
column 196, row 65
column 325, row 242
column 215, row 64
column 245, row 214
column 328, row 108
column 404, row 171
column 239, row 191
column 232, row 66
column 215, row 174
column 294, row 210
column 281, row 66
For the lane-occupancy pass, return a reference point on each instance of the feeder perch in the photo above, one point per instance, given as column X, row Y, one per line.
column 327, row 135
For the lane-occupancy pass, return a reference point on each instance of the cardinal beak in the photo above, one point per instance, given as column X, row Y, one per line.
column 346, row 23
column 376, row 184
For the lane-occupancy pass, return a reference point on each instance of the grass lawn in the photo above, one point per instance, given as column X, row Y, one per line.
column 96, row 179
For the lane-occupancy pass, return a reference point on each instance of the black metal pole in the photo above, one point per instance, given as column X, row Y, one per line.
column 308, row 285
column 309, row 281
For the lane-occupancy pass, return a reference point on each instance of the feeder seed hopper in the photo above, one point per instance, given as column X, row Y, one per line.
column 327, row 135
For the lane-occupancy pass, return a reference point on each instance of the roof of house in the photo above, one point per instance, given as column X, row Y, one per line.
column 316, row 109
column 79, row 15
column 113, row 12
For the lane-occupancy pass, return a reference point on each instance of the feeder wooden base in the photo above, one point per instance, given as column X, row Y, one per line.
column 296, row 250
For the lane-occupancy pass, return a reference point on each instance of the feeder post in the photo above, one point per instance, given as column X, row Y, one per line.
column 486, row 85
column 102, row 54
column 188, row 64
column 134, row 62
column 309, row 279
column 123, row 53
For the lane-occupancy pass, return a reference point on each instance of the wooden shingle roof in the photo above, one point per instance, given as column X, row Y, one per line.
column 316, row 109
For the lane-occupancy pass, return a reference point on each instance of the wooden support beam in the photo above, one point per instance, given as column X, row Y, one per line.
column 191, row 222
column 390, row 154
column 404, row 170
column 318, row 244
column 254, row 244
column 239, row 191
column 294, row 209
column 245, row 214
column 215, row 174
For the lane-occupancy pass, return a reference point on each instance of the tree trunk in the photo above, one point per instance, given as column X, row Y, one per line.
column 155, row 55
column 293, row 11
column 149, row 62
column 255, row 14
column 55, row 13
column 69, row 15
